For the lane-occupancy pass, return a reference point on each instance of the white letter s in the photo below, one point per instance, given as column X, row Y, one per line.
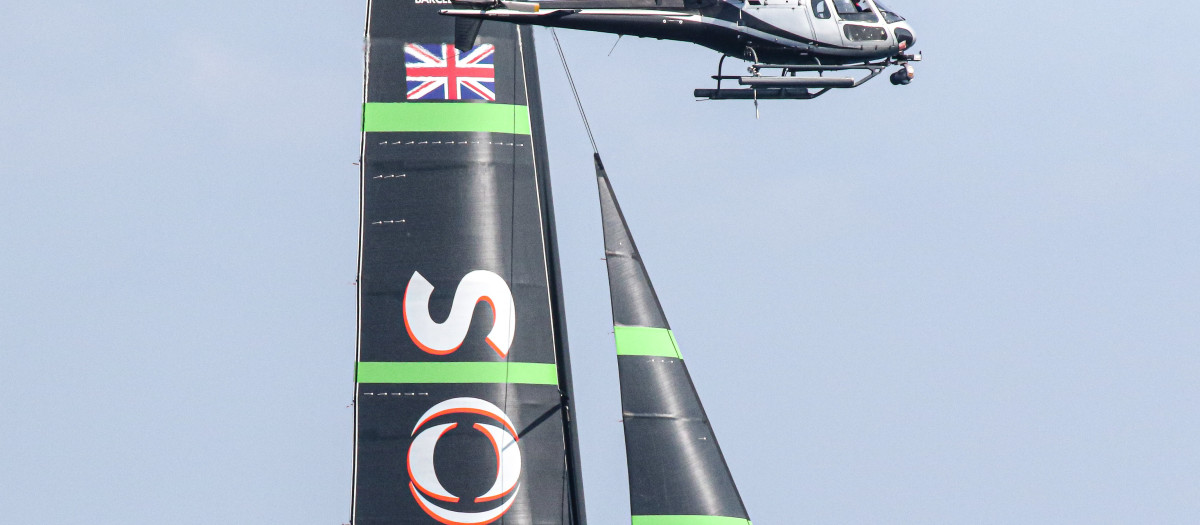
column 445, row 338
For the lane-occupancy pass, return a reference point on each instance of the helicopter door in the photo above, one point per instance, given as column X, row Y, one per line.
column 824, row 22
column 783, row 14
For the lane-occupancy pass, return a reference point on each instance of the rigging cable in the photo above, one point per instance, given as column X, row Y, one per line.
column 575, row 92
column 567, row 480
column 614, row 47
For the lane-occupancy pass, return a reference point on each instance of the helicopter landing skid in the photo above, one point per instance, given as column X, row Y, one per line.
column 756, row 94
column 786, row 85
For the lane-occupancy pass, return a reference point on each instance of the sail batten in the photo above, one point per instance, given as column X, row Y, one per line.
column 677, row 474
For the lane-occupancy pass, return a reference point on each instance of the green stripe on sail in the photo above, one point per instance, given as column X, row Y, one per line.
column 639, row 340
column 446, row 116
column 417, row 373
column 688, row 520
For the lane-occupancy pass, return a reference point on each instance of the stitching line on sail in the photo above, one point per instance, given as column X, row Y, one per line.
column 519, row 51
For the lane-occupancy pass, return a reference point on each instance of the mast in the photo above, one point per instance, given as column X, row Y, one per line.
column 677, row 474
column 462, row 401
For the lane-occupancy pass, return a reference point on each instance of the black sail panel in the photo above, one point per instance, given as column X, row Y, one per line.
column 462, row 373
column 677, row 474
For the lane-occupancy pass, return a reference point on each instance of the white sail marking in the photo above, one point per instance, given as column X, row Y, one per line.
column 420, row 462
column 444, row 338
column 466, row 404
column 465, row 518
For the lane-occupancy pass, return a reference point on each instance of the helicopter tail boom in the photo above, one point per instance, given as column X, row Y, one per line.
column 465, row 32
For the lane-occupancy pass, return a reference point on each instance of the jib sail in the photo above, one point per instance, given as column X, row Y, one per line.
column 462, row 379
column 677, row 474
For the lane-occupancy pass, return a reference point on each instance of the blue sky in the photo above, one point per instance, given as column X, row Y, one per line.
column 972, row 299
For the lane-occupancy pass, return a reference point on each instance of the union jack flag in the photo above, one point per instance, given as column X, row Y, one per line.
column 439, row 72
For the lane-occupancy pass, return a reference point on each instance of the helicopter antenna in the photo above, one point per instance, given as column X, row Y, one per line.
column 575, row 92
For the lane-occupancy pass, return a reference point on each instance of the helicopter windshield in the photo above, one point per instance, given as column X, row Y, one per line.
column 857, row 10
column 890, row 16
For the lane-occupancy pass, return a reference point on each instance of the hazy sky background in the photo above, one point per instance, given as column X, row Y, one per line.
column 975, row 299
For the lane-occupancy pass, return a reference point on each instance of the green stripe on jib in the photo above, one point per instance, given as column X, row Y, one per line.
column 431, row 373
column 639, row 340
column 445, row 116
column 688, row 520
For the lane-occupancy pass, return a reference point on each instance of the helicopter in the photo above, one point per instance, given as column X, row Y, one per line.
column 783, row 37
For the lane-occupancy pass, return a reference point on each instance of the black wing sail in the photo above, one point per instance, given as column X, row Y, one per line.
column 677, row 474
column 462, row 372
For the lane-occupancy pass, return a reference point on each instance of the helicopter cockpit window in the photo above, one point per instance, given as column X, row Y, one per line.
column 821, row 9
column 857, row 10
column 890, row 16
